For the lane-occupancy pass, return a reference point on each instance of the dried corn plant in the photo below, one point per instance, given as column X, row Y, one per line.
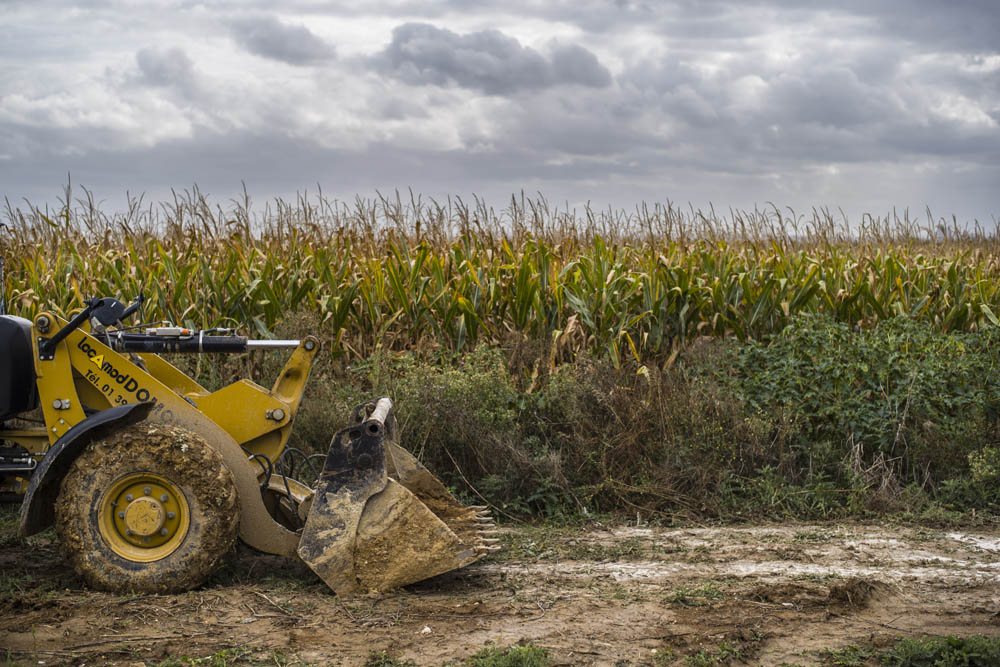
column 437, row 277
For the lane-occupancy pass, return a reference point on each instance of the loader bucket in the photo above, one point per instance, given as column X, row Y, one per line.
column 379, row 519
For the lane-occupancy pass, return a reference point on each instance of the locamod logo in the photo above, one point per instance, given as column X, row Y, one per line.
column 127, row 383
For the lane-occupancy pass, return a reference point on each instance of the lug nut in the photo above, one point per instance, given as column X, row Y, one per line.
column 145, row 540
column 128, row 531
column 130, row 497
column 170, row 515
column 163, row 531
column 146, row 490
column 163, row 498
column 121, row 515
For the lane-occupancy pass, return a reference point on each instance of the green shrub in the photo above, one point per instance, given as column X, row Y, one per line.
column 976, row 651
column 824, row 422
column 895, row 403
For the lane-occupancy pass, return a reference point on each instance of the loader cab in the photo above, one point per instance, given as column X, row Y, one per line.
column 17, row 370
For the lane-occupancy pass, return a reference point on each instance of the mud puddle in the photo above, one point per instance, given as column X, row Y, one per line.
column 775, row 594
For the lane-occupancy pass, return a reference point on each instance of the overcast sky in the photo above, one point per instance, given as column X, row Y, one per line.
column 857, row 104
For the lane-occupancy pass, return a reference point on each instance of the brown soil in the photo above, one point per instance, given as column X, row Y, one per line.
column 599, row 596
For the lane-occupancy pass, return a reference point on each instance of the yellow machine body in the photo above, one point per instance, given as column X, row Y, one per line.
column 375, row 518
column 239, row 419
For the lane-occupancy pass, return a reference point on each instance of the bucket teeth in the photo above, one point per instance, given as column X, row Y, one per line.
column 488, row 549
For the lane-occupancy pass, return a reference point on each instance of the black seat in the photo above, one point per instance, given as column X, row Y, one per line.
column 17, row 370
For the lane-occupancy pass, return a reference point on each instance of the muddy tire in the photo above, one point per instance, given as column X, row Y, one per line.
column 150, row 508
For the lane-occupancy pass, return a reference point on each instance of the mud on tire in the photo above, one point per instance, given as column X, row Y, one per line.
column 169, row 452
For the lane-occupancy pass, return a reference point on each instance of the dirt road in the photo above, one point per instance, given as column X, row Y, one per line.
column 770, row 595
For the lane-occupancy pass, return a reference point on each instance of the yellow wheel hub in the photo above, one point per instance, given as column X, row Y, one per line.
column 144, row 517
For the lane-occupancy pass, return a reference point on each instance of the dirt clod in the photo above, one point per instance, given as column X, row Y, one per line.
column 854, row 593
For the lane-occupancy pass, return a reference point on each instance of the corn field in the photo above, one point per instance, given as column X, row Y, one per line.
column 397, row 273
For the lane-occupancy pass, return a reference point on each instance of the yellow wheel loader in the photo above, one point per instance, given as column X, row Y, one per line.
column 150, row 478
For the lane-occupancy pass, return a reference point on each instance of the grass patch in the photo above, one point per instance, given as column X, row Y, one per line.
column 695, row 597
column 549, row 542
column 973, row 651
column 630, row 548
column 527, row 655
column 383, row 659
column 223, row 658
column 9, row 518
column 14, row 581
column 736, row 649
column 813, row 536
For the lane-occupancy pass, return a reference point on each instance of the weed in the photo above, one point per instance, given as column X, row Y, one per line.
column 695, row 597
column 223, row 658
column 383, row 659
column 849, row 656
column 812, row 536
column 630, row 548
column 738, row 648
column 974, row 651
column 526, row 655
column 9, row 518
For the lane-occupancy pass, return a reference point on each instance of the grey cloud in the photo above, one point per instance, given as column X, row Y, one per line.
column 584, row 125
column 575, row 64
column 281, row 167
column 170, row 67
column 832, row 97
column 490, row 61
column 396, row 108
column 856, row 102
column 965, row 26
column 293, row 44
